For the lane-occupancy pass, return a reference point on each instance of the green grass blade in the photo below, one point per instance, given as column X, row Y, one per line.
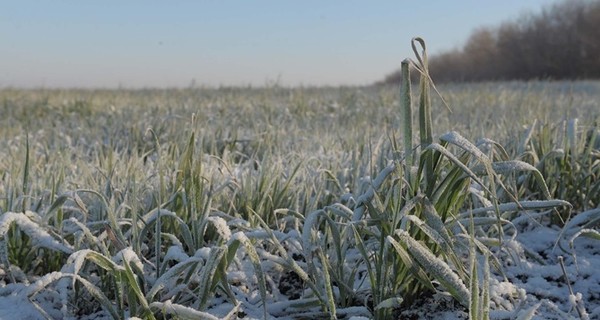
column 255, row 259
column 132, row 285
column 25, row 189
column 327, row 283
column 406, row 112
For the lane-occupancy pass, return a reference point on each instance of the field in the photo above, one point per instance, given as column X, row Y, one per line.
column 297, row 203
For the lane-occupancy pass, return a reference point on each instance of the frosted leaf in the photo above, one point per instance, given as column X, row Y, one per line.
column 181, row 311
column 583, row 218
column 458, row 140
column 43, row 282
column 130, row 256
column 370, row 193
column 436, row 267
column 309, row 222
column 221, row 226
column 175, row 253
column 38, row 235
column 172, row 272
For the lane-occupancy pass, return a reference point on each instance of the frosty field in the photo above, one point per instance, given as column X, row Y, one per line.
column 298, row 203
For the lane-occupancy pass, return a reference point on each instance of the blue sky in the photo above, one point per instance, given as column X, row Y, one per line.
column 137, row 44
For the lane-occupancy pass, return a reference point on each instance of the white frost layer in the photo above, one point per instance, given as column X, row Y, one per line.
column 18, row 307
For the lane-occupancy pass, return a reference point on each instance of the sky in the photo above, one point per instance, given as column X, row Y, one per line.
column 147, row 44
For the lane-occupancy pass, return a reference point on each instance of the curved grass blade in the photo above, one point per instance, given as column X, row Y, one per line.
column 436, row 267
column 255, row 259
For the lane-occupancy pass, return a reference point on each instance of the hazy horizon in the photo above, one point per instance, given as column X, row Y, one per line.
column 136, row 44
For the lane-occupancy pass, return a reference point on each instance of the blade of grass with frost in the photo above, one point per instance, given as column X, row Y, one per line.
column 458, row 140
column 429, row 231
column 474, row 306
column 110, row 214
column 75, row 263
column 497, row 151
column 207, row 275
column 593, row 135
column 586, row 219
column 308, row 246
column 55, row 206
column 503, row 167
column 435, row 222
column 221, row 227
column 571, row 141
column 529, row 313
column 25, row 174
column 40, row 236
column 376, row 270
column 418, row 67
column 255, row 259
column 184, row 170
column 412, row 266
column 93, row 240
column 521, row 205
column 198, row 221
column 310, row 222
column 161, row 193
column 457, row 162
column 281, row 194
column 406, row 112
column 336, row 236
column 436, row 267
column 588, row 233
column 180, row 311
column 327, row 283
column 360, row 246
column 425, row 122
column 154, row 216
column 526, row 138
column 485, row 295
column 447, row 249
column 134, row 287
column 370, row 193
column 173, row 272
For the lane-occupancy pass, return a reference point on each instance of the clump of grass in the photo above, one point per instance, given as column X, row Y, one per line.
column 567, row 154
column 409, row 227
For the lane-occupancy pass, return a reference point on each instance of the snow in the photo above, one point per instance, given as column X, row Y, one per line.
column 18, row 307
column 531, row 284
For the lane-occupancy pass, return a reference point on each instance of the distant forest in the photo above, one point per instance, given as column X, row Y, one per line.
column 560, row 42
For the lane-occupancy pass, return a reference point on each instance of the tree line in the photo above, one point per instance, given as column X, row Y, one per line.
column 560, row 42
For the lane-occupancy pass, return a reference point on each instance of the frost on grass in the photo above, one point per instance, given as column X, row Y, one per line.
column 39, row 236
column 221, row 226
column 436, row 267
column 129, row 256
column 181, row 311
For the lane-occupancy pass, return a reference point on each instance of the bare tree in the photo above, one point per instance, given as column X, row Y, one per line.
column 560, row 42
